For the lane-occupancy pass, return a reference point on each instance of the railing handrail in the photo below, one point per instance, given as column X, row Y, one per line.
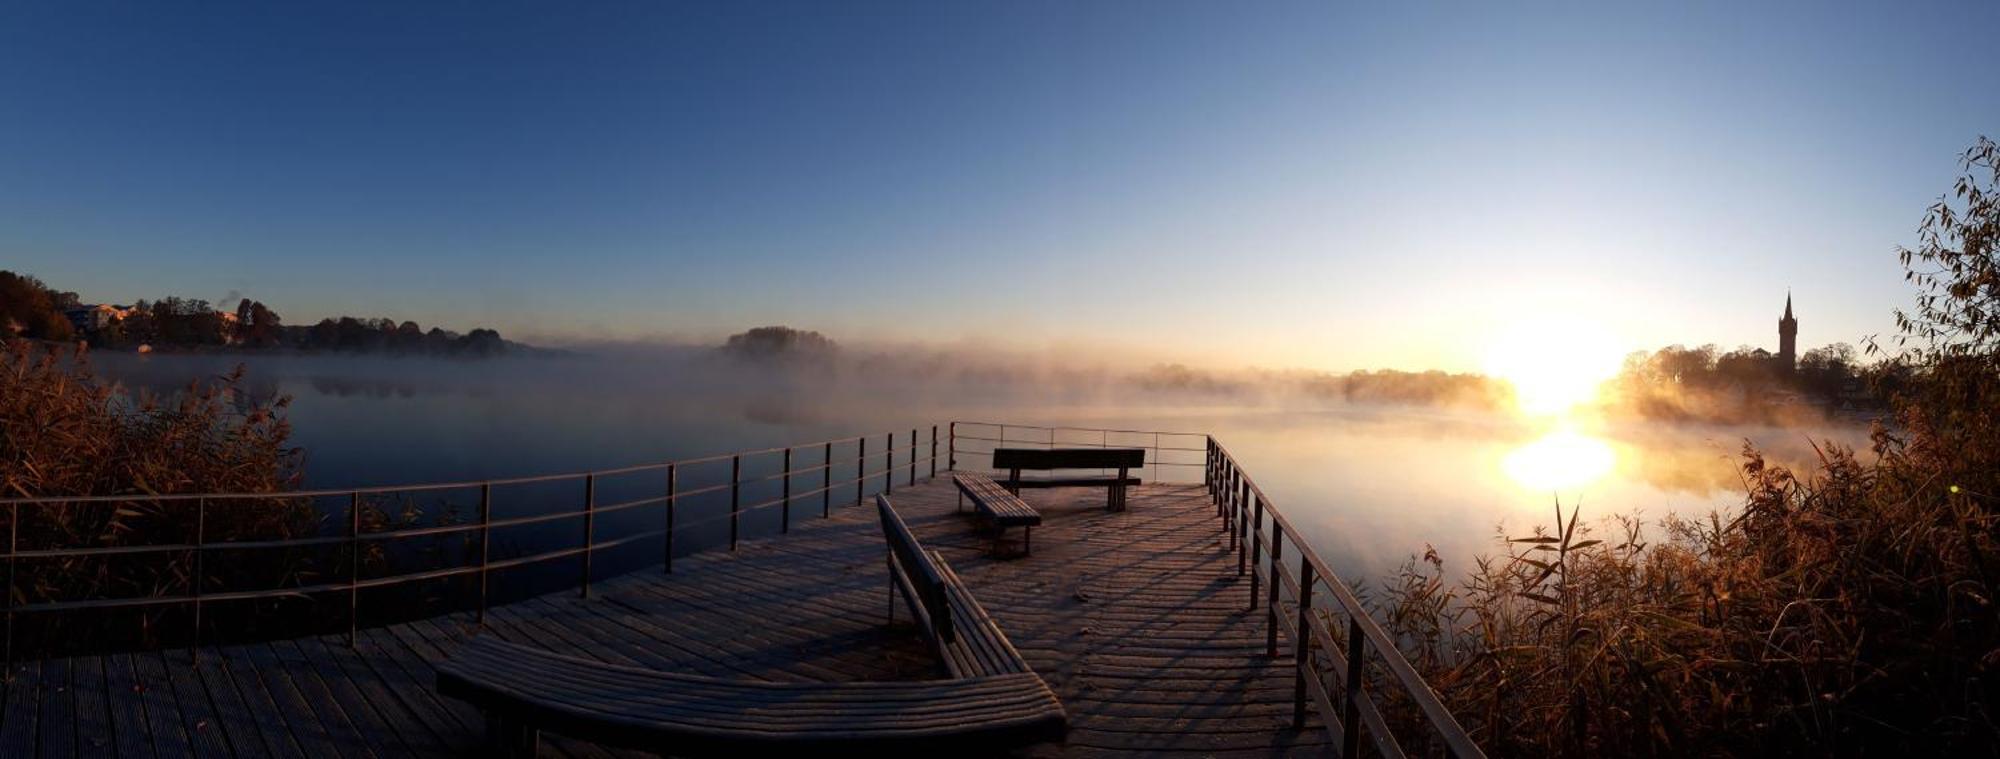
column 420, row 487
column 881, row 466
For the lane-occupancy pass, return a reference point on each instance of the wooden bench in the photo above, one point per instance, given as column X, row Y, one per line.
column 1014, row 460
column 992, row 699
column 998, row 506
column 525, row 690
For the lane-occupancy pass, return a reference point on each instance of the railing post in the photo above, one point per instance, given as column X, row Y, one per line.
column 200, row 532
column 913, row 457
column 485, row 544
column 1249, row 528
column 785, row 511
column 673, row 486
column 860, row 467
column 1302, row 646
column 1256, row 526
column 889, row 463
column 1208, row 466
column 1229, row 510
column 951, row 448
column 1271, row 590
column 353, row 567
column 826, row 483
column 13, row 548
column 735, row 495
column 1349, row 711
column 589, row 528
column 933, row 452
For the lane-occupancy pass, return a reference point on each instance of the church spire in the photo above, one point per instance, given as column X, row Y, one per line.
column 1788, row 304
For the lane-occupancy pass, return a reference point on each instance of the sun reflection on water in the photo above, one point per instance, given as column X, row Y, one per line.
column 1563, row 459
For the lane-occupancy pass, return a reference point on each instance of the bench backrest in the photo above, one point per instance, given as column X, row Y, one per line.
column 909, row 558
column 1069, row 458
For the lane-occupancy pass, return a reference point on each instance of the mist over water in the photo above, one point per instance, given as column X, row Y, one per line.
column 1372, row 484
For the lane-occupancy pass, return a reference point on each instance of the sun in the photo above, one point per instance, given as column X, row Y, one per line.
column 1553, row 366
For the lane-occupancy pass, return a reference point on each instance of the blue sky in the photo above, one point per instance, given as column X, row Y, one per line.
column 1292, row 184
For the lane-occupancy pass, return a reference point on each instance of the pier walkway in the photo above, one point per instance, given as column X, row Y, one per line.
column 1138, row 619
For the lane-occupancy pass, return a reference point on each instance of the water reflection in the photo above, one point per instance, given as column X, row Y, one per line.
column 1562, row 460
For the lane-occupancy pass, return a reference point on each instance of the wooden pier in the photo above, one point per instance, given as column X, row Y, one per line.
column 1137, row 618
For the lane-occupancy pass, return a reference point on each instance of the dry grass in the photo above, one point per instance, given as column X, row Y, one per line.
column 1846, row 609
column 65, row 432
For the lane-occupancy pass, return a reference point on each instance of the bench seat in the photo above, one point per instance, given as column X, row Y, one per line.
column 992, row 701
column 1014, row 460
column 977, row 648
column 997, row 504
column 675, row 713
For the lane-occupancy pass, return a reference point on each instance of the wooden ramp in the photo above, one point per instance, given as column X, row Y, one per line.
column 1136, row 618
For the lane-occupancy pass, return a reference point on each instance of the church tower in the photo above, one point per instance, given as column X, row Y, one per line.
column 1788, row 340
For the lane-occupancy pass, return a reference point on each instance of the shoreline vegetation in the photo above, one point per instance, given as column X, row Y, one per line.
column 30, row 309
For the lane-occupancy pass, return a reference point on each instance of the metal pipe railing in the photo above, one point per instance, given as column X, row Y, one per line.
column 354, row 535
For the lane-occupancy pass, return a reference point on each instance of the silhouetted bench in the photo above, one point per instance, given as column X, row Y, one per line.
column 999, row 507
column 993, row 700
column 1014, row 460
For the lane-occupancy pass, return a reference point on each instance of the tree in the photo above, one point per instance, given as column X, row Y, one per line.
column 30, row 309
column 1956, row 264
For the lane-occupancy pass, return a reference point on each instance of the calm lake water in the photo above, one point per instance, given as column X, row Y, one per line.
column 1373, row 485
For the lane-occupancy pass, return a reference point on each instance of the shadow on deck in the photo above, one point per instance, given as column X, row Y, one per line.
column 1137, row 619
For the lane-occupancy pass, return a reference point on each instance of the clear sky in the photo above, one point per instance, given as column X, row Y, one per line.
column 1320, row 184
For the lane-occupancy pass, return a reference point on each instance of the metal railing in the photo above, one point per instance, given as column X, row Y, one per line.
column 1171, row 456
column 873, row 471
column 1260, row 536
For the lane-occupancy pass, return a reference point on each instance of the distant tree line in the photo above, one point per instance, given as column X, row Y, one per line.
column 30, row 309
column 1745, row 384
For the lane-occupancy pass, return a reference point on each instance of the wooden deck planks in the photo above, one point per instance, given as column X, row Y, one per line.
column 1137, row 619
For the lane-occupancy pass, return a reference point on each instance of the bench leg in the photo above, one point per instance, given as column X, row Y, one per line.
column 511, row 738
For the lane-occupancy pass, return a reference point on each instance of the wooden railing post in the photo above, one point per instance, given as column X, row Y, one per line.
column 933, row 452
column 1302, row 647
column 1351, row 740
column 786, row 509
column 485, row 545
column 200, row 532
column 951, row 448
column 673, row 486
column 353, row 566
column 889, row 463
column 735, row 495
column 913, row 457
column 1271, row 590
column 589, row 528
column 826, row 484
column 860, row 467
